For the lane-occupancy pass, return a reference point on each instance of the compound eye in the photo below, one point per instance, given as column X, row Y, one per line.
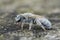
column 17, row 18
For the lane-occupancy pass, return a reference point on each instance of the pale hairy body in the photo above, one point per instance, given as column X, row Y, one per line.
column 39, row 20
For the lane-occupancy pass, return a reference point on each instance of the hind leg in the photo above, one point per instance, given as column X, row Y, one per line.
column 39, row 23
column 43, row 27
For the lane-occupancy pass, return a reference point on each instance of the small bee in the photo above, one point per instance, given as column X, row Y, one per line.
column 30, row 18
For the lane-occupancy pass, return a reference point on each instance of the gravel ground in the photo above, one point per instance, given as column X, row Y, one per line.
column 10, row 31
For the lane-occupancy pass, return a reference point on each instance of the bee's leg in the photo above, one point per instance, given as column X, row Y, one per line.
column 30, row 25
column 43, row 27
column 22, row 24
column 39, row 23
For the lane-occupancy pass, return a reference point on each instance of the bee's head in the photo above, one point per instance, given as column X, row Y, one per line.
column 17, row 18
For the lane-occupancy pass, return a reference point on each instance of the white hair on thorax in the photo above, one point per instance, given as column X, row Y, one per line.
column 27, row 14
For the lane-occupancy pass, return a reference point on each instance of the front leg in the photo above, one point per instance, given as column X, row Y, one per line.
column 22, row 25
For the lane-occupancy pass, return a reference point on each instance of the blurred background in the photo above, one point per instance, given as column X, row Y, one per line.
column 41, row 6
column 10, row 8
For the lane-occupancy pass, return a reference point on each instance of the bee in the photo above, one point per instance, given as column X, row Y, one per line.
column 30, row 18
